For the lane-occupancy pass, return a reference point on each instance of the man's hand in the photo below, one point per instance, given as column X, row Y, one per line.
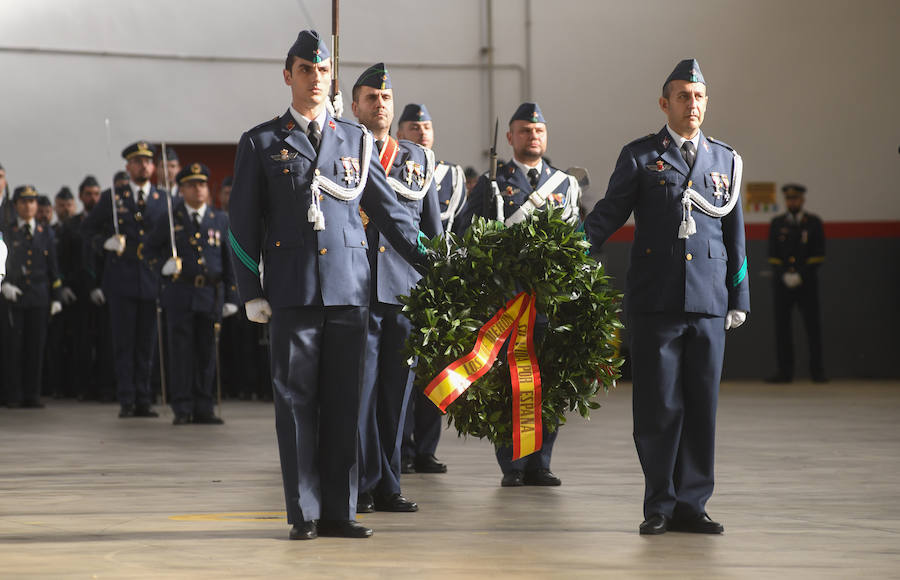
column 55, row 307
column 97, row 297
column 11, row 292
column 336, row 106
column 229, row 309
column 734, row 318
column 258, row 310
column 171, row 267
column 67, row 295
column 114, row 244
column 791, row 279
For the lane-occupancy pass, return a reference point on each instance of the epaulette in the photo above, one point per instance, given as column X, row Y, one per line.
column 642, row 139
column 266, row 123
column 717, row 142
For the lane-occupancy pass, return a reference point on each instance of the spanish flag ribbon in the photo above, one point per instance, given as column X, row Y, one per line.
column 516, row 318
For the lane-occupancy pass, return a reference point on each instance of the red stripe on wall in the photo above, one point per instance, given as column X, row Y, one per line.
column 833, row 231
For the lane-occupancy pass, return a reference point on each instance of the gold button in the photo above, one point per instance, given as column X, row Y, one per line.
column 381, row 249
column 28, row 262
column 321, row 197
column 199, row 260
column 662, row 181
column 689, row 257
column 316, row 172
column 278, row 244
column 323, row 251
column 197, row 235
column 29, row 252
column 510, row 202
column 647, row 251
column 140, row 232
column 362, row 244
column 121, row 222
column 791, row 260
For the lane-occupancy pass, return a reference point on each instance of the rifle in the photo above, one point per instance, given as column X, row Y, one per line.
column 335, row 45
column 495, row 190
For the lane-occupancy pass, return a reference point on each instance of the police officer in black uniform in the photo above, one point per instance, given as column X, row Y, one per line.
column 198, row 289
column 32, row 279
column 796, row 250
column 130, row 280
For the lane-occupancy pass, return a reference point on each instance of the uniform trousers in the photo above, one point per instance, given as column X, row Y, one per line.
column 422, row 431
column 134, row 336
column 387, row 385
column 806, row 297
column 192, row 362
column 24, row 335
column 676, row 361
column 317, row 357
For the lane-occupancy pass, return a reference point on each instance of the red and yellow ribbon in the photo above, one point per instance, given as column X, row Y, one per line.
column 518, row 315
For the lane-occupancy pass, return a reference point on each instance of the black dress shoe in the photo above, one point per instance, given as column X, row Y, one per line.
column 394, row 503
column 126, row 411
column 343, row 529
column 654, row 525
column 429, row 464
column 207, row 420
column 779, row 379
column 304, row 531
column 181, row 420
column 407, row 466
column 512, row 479
column 819, row 379
column 701, row 524
column 32, row 405
column 365, row 504
column 142, row 411
column 541, row 476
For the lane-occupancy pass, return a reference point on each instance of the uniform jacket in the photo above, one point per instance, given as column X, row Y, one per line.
column 393, row 275
column 454, row 177
column 515, row 189
column 205, row 261
column 796, row 246
column 270, row 199
column 132, row 274
column 31, row 265
column 706, row 273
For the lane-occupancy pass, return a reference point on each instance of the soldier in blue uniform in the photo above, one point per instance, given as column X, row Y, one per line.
column 130, row 281
column 796, row 251
column 422, row 429
column 526, row 183
column 299, row 182
column 686, row 286
column 196, row 294
column 30, row 292
column 387, row 382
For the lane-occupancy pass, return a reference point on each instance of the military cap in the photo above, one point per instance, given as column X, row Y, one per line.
column 64, row 193
column 171, row 154
column 44, row 200
column 309, row 46
column 414, row 112
column 1, row 166
column 139, row 149
column 686, row 70
column 793, row 189
column 121, row 176
column 228, row 181
column 24, row 192
column 529, row 112
column 88, row 181
column 376, row 76
column 193, row 172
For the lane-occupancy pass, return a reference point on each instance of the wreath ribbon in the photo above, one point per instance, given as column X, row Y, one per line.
column 517, row 316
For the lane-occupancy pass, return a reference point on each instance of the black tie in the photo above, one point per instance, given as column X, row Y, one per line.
column 27, row 230
column 380, row 144
column 689, row 153
column 315, row 136
column 140, row 195
column 533, row 177
column 196, row 217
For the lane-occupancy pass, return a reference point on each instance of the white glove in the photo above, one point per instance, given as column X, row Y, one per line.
column 97, row 297
column 67, row 295
column 170, row 267
column 229, row 309
column 55, row 307
column 114, row 244
column 258, row 310
column 791, row 279
column 3, row 253
column 735, row 318
column 10, row 291
column 336, row 106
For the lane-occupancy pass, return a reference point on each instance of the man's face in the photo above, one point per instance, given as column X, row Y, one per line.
column 173, row 167
column 65, row 208
column 89, row 196
column 140, row 169
column 44, row 214
column 528, row 140
column 195, row 192
column 685, row 107
column 794, row 203
column 225, row 196
column 309, row 83
column 421, row 132
column 375, row 109
column 27, row 208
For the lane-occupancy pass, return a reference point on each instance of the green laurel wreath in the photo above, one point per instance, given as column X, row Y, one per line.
column 472, row 278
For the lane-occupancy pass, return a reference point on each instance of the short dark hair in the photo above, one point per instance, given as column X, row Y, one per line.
column 289, row 62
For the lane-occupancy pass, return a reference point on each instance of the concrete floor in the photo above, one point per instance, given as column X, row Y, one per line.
column 808, row 487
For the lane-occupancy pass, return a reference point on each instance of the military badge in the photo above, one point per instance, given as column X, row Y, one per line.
column 332, row 125
column 351, row 170
column 510, row 190
column 218, row 238
column 211, row 237
column 557, row 199
column 659, row 166
column 666, row 141
column 284, row 155
column 155, row 195
column 290, row 126
column 717, row 182
column 414, row 173
column 725, row 186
